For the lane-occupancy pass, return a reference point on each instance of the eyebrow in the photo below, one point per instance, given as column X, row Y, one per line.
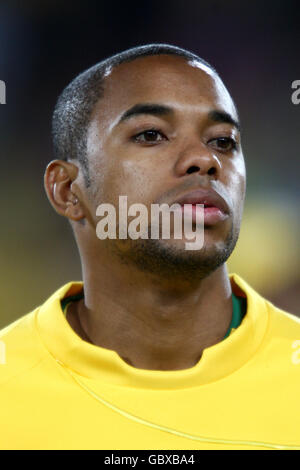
column 146, row 108
column 156, row 109
column 222, row 116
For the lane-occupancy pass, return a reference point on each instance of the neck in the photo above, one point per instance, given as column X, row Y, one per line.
column 151, row 325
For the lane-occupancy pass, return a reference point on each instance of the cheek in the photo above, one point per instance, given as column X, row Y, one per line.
column 127, row 178
column 238, row 186
column 235, row 185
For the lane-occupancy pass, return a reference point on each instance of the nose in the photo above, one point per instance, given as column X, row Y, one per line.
column 197, row 158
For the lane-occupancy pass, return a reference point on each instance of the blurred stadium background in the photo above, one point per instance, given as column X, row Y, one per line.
column 255, row 48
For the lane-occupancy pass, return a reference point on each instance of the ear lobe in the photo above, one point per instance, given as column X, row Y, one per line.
column 58, row 179
column 74, row 210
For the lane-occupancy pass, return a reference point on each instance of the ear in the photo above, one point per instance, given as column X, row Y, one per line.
column 58, row 179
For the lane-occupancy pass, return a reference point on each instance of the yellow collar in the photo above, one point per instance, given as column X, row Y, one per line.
column 105, row 365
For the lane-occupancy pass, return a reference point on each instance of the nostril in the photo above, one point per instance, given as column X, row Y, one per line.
column 193, row 169
column 211, row 171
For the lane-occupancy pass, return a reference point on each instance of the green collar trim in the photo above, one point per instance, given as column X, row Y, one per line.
column 72, row 298
column 239, row 308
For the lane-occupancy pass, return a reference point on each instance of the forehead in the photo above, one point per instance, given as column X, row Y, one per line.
column 184, row 85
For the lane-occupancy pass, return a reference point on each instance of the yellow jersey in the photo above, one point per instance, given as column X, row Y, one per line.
column 60, row 392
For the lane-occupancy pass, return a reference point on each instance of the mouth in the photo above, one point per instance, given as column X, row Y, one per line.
column 215, row 208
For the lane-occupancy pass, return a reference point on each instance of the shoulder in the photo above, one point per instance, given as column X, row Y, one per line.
column 281, row 344
column 278, row 320
column 281, row 322
column 278, row 332
column 20, row 347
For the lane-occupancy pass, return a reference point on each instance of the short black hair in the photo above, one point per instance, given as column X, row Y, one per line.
column 76, row 103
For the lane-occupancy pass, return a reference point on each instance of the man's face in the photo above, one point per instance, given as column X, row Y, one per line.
column 161, row 153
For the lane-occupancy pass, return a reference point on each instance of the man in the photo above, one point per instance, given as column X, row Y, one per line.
column 159, row 348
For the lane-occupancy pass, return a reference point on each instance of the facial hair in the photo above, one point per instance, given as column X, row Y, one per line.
column 160, row 259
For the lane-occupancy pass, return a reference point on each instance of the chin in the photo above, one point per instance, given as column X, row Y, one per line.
column 169, row 259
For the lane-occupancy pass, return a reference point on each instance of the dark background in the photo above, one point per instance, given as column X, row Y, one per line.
column 255, row 48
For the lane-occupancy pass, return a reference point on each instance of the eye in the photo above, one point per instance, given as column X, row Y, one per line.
column 225, row 144
column 149, row 136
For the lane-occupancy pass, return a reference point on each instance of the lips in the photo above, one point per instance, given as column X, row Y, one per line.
column 208, row 198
